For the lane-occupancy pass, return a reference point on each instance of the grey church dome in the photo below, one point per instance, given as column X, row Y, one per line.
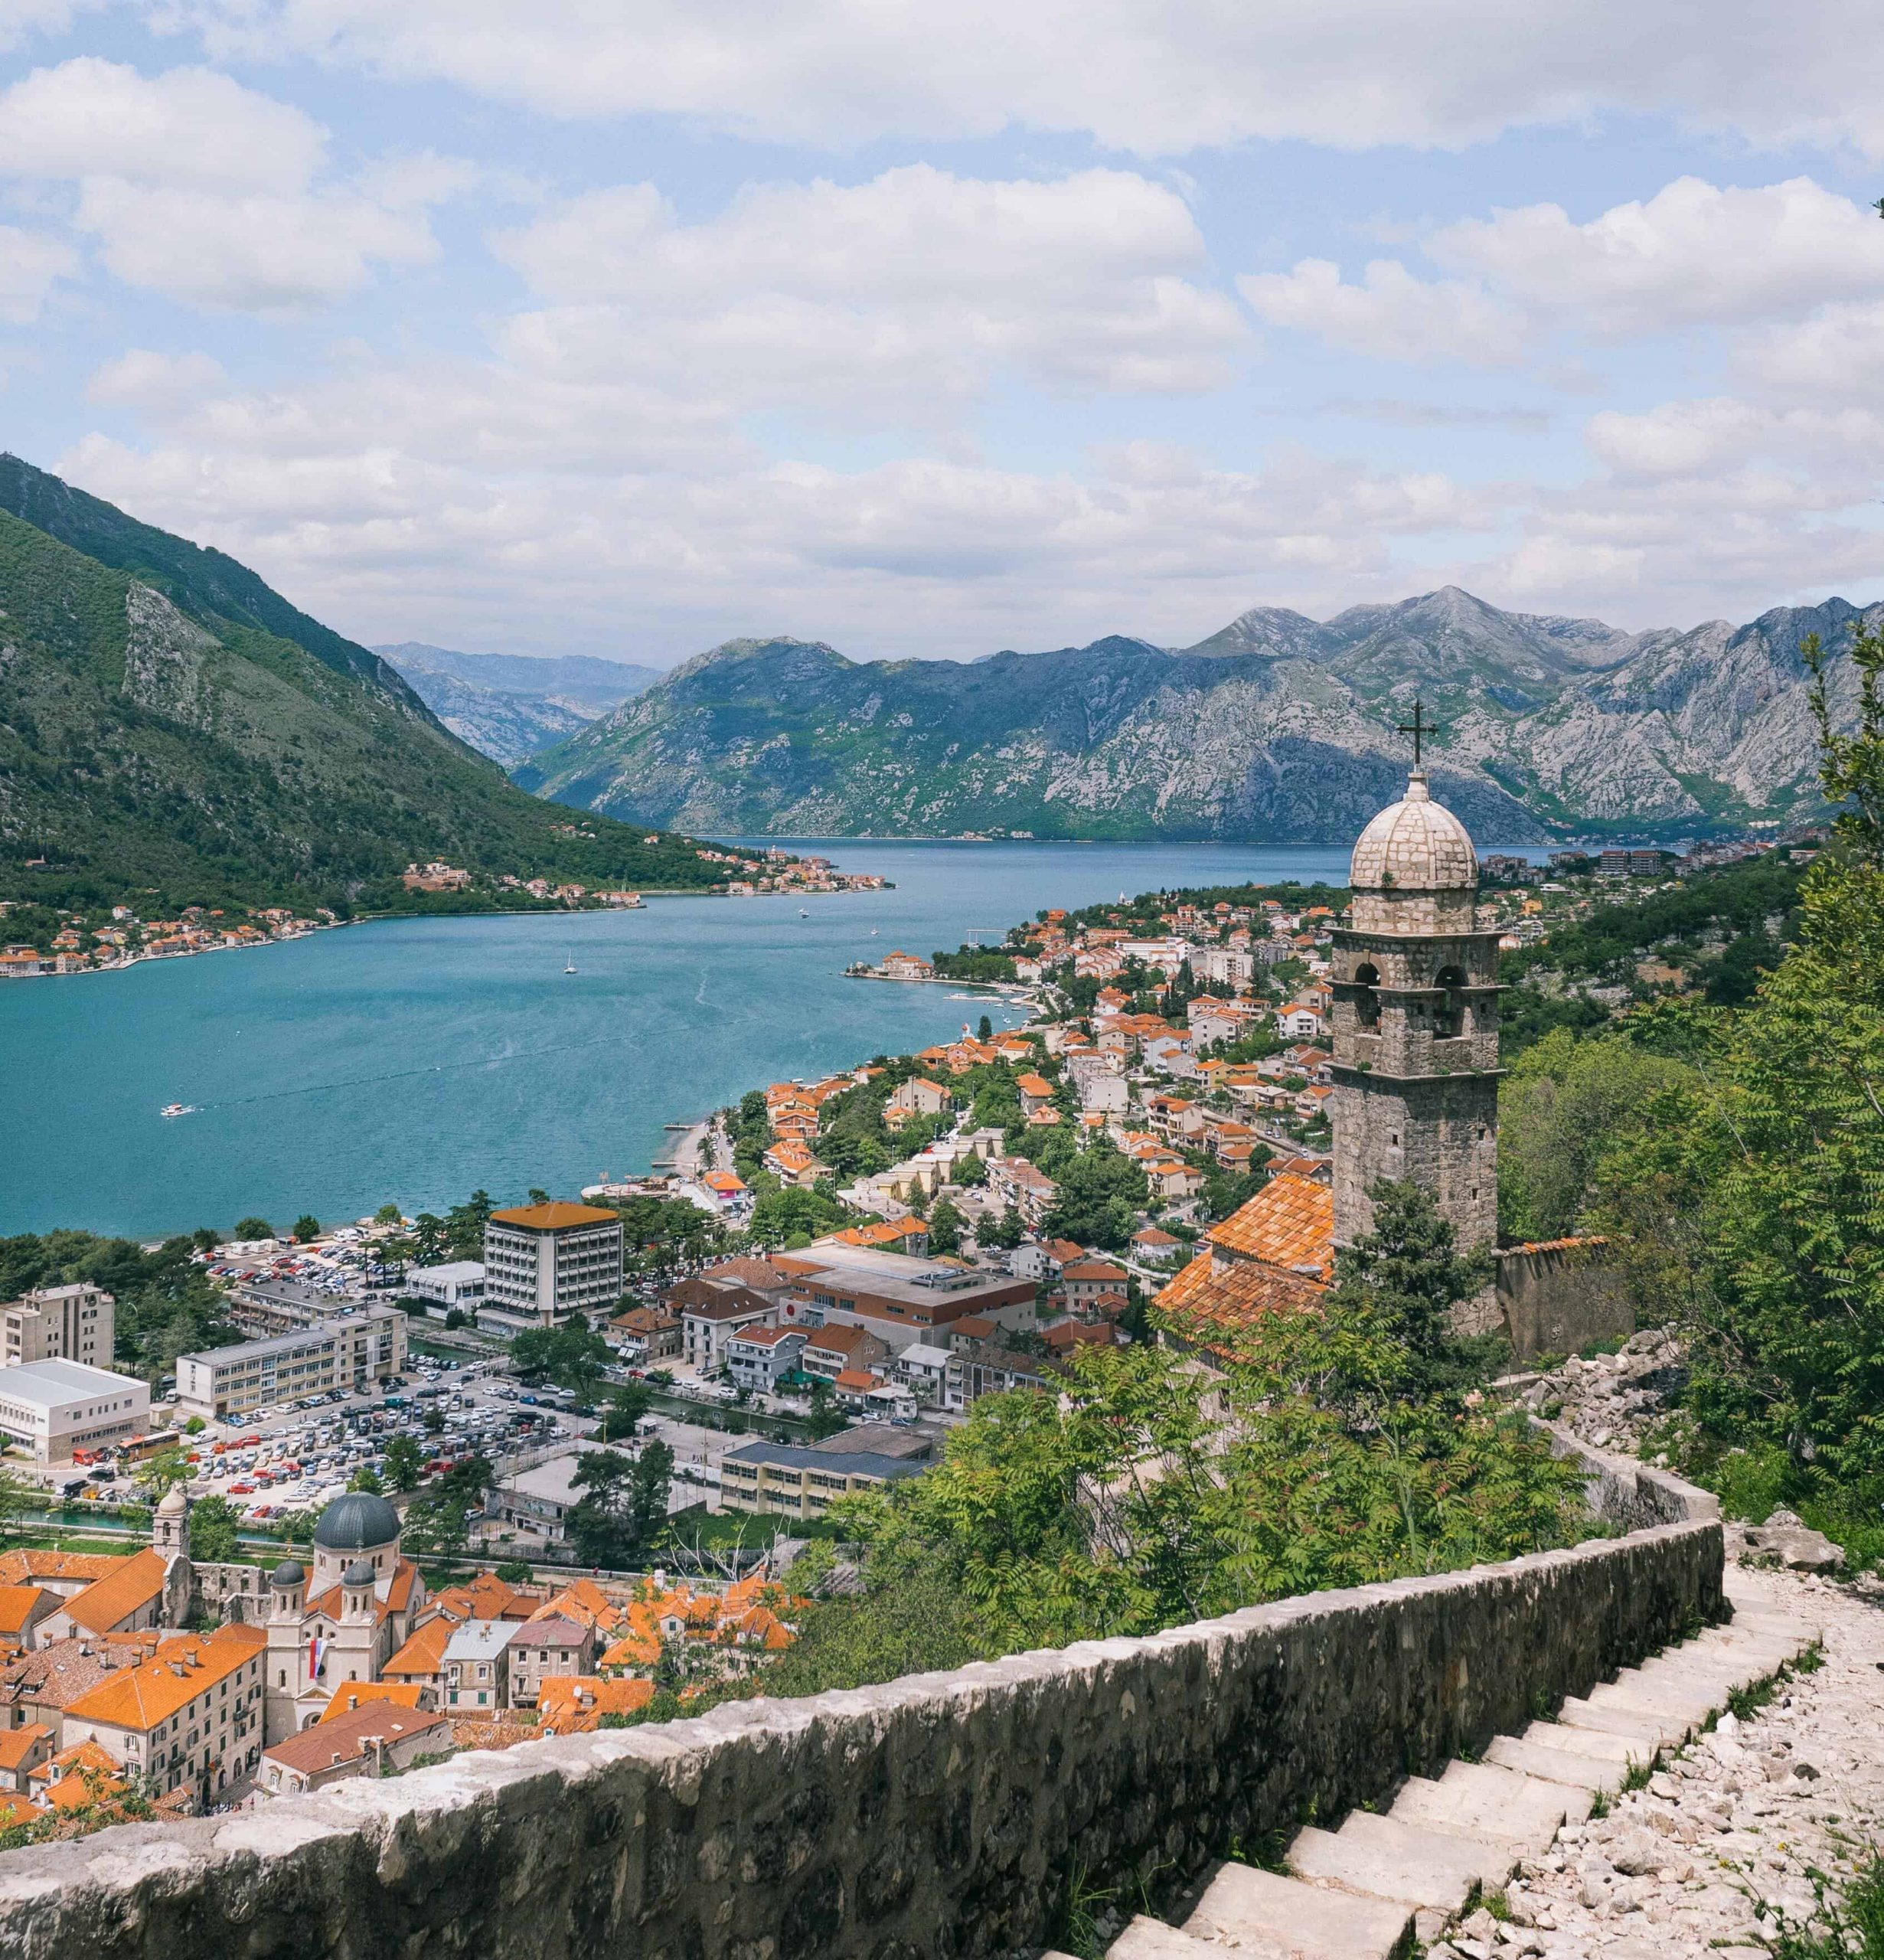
column 288, row 1573
column 360, row 1572
column 358, row 1522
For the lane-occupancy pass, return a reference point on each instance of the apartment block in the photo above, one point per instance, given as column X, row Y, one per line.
column 544, row 1262
column 348, row 1352
column 77, row 1323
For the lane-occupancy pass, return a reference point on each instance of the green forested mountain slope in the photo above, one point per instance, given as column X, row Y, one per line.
column 169, row 725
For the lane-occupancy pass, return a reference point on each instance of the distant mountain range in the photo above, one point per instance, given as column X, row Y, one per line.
column 171, row 726
column 1279, row 727
column 508, row 706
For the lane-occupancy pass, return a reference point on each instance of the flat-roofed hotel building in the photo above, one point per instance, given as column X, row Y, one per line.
column 545, row 1261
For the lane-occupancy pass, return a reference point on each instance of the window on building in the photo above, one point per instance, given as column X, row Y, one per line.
column 1367, row 1002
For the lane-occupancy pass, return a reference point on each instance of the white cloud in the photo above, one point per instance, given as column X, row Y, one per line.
column 141, row 378
column 1140, row 74
column 902, row 295
column 1836, row 354
column 1692, row 254
column 20, row 20
column 88, row 118
column 29, row 264
column 193, row 186
column 1837, row 450
column 264, row 255
column 1391, row 315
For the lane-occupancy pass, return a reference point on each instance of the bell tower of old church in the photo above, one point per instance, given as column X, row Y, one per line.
column 1415, row 1023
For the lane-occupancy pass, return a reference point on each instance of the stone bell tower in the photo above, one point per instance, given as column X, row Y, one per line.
column 1415, row 1033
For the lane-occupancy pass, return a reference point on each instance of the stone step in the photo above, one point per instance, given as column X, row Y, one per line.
column 1631, row 1694
column 1152, row 1939
column 1263, row 1913
column 1389, row 1859
column 1478, row 1800
column 1705, row 1670
column 1597, row 1742
column 1555, row 1765
column 1651, row 1731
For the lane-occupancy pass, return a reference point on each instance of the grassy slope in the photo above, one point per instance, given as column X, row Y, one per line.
column 262, row 757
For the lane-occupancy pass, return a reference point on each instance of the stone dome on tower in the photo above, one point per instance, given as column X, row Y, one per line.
column 1415, row 845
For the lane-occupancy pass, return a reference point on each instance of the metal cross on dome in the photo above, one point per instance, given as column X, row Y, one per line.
column 1419, row 727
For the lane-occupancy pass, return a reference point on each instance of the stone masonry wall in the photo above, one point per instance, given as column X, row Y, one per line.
column 940, row 1816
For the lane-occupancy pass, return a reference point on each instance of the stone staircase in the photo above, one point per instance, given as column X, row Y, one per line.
column 1369, row 1890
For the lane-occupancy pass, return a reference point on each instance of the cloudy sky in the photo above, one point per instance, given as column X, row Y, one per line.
column 625, row 326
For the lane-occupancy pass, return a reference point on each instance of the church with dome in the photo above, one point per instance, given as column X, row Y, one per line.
column 1415, row 1067
column 343, row 1621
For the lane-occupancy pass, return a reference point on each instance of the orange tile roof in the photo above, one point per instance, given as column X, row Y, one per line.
column 585, row 1602
column 182, row 1667
column 20, row 1568
column 1290, row 1222
column 345, row 1736
column 567, row 1704
column 423, row 1654
column 15, row 1809
column 1239, row 1296
column 108, row 1602
column 554, row 1217
column 350, row 1695
column 17, row 1605
column 16, row 1745
column 860, row 1380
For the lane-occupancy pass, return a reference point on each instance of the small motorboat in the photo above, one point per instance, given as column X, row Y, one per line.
column 176, row 1109
column 803, row 913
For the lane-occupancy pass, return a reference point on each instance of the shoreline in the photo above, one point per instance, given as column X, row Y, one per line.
column 311, row 928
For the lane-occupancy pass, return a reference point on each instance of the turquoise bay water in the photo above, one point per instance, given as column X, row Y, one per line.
column 416, row 1060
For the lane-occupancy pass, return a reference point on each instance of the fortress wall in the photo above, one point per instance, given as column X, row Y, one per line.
column 941, row 1814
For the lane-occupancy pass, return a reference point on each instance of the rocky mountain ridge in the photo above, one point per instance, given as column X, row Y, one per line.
column 508, row 706
column 1278, row 727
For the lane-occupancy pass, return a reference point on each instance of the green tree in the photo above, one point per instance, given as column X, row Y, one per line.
column 1099, row 1193
column 1565, row 1104
column 971, row 1173
column 573, row 1356
column 307, row 1229
column 986, row 1032
column 628, row 1404
column 1746, row 1201
column 1003, row 1233
column 404, row 1460
column 515, row 1572
column 945, row 1227
column 430, row 1241
column 437, row 1526
column 389, row 1214
column 254, row 1228
column 213, row 1524
column 365, row 1478
column 822, row 1418
column 464, row 1223
column 157, row 1475
column 623, row 1508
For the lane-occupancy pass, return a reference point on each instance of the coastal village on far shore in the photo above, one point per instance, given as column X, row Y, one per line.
column 528, row 1469
column 120, row 935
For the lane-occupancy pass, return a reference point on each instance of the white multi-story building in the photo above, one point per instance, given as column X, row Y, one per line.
column 77, row 1323
column 760, row 1357
column 347, row 1352
column 51, row 1408
column 460, row 1284
column 542, row 1263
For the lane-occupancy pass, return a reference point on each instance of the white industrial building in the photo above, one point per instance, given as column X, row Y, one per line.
column 50, row 1409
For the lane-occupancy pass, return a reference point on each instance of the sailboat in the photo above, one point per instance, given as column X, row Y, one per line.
column 571, row 967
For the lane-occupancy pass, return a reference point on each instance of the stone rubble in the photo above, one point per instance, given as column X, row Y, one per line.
column 1609, row 1400
column 1735, row 1836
